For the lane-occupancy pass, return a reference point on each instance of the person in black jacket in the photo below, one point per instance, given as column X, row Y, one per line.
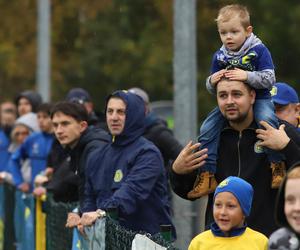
column 157, row 131
column 239, row 154
column 59, row 179
column 72, row 131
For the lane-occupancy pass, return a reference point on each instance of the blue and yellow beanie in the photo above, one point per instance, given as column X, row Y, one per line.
column 240, row 188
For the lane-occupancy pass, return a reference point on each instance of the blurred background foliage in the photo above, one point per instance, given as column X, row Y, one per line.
column 115, row 44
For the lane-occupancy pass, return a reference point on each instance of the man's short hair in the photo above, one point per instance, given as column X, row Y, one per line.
column 73, row 109
column 45, row 108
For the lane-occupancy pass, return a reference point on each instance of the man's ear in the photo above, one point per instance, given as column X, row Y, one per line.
column 89, row 106
column 253, row 95
column 298, row 109
column 83, row 126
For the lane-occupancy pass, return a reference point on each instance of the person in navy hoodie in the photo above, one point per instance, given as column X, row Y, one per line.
column 36, row 147
column 128, row 174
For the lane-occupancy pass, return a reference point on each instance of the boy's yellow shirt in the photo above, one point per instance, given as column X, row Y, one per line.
column 249, row 240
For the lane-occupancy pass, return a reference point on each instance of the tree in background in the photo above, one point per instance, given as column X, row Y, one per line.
column 115, row 44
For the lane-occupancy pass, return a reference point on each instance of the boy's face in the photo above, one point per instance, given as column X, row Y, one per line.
column 44, row 122
column 292, row 203
column 233, row 34
column 24, row 106
column 8, row 114
column 20, row 132
column 67, row 130
column 227, row 212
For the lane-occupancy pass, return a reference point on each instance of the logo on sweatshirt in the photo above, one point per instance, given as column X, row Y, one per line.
column 118, row 175
column 273, row 91
column 258, row 149
column 35, row 149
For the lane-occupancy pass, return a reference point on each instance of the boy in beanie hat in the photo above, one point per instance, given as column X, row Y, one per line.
column 232, row 204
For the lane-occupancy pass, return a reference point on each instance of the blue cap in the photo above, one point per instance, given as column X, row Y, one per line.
column 241, row 189
column 284, row 94
column 78, row 95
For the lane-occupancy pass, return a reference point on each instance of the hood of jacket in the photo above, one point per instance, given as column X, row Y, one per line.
column 33, row 97
column 92, row 134
column 279, row 209
column 90, row 138
column 152, row 119
column 29, row 120
column 250, row 42
column 135, row 117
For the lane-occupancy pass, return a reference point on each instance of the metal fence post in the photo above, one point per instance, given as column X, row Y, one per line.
column 185, row 89
column 43, row 50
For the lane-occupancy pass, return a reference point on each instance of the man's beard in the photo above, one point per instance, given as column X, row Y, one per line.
column 240, row 117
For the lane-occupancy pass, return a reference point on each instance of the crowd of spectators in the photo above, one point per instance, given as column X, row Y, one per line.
column 125, row 158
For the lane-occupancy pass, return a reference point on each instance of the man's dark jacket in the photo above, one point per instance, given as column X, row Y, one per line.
column 128, row 174
column 239, row 156
column 91, row 139
column 157, row 131
column 64, row 182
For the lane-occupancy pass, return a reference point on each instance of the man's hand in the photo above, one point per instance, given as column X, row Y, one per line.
column 272, row 138
column 189, row 159
column 236, row 74
column 24, row 187
column 216, row 77
column 49, row 172
column 40, row 180
column 89, row 218
column 2, row 177
column 81, row 230
column 39, row 191
column 73, row 220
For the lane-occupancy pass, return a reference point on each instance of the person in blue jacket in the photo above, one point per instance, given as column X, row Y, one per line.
column 8, row 114
column 36, row 148
column 128, row 174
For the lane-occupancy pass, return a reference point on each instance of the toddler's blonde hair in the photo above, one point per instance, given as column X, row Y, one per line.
column 229, row 11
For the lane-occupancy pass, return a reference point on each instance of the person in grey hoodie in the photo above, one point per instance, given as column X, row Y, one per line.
column 23, row 127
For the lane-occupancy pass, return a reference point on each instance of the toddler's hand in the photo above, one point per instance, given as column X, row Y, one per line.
column 236, row 74
column 216, row 77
